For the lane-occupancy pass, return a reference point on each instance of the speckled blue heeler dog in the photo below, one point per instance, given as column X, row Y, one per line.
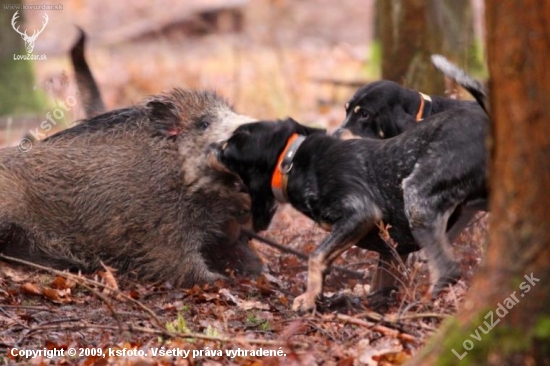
column 132, row 188
column 413, row 182
column 385, row 109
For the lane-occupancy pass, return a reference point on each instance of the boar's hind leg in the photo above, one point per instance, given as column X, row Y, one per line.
column 18, row 243
column 13, row 240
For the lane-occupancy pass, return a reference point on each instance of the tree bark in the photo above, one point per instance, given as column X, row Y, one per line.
column 410, row 31
column 513, row 284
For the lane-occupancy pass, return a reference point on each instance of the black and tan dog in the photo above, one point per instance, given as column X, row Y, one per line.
column 412, row 182
column 385, row 109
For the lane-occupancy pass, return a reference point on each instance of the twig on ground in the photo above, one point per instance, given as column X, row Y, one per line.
column 350, row 320
column 420, row 316
column 299, row 254
column 385, row 236
column 105, row 301
column 12, row 318
column 478, row 219
column 56, row 321
column 161, row 332
column 84, row 282
column 398, row 333
column 30, row 307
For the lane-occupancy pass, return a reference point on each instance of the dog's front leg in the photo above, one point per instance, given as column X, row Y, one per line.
column 343, row 236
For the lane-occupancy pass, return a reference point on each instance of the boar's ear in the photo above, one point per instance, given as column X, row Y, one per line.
column 163, row 116
column 304, row 130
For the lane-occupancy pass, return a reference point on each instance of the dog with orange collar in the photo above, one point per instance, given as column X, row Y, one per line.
column 412, row 182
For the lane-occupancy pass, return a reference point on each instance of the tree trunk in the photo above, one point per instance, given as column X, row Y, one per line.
column 512, row 288
column 410, row 31
column 455, row 20
column 407, row 41
column 17, row 94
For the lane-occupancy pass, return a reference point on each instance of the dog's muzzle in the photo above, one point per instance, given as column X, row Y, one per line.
column 338, row 132
column 344, row 134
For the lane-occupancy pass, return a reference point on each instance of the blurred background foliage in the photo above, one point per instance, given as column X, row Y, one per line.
column 270, row 58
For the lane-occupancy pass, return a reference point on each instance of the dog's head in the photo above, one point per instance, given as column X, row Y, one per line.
column 382, row 109
column 252, row 153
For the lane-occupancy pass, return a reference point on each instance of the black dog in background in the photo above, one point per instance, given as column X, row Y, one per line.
column 384, row 109
column 412, row 182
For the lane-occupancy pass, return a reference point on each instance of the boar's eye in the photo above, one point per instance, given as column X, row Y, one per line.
column 203, row 123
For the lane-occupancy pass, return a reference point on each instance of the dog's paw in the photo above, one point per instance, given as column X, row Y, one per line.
column 381, row 300
column 450, row 277
column 304, row 303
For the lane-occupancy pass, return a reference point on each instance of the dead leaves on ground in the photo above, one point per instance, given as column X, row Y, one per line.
column 40, row 309
column 58, row 291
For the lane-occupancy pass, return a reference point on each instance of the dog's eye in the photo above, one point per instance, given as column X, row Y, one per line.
column 364, row 114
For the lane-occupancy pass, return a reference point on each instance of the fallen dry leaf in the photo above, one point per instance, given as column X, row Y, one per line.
column 7, row 272
column 57, row 296
column 243, row 304
column 62, row 283
column 108, row 278
column 30, row 289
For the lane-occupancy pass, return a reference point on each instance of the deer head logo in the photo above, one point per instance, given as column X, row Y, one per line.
column 29, row 40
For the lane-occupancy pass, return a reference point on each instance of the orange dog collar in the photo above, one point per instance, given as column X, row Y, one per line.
column 279, row 179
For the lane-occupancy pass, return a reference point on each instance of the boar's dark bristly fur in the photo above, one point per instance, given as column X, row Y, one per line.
column 133, row 188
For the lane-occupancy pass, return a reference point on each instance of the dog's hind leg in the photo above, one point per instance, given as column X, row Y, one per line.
column 428, row 216
column 345, row 233
column 430, row 234
column 387, row 275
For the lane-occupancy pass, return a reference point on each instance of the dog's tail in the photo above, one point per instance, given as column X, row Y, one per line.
column 462, row 78
column 87, row 87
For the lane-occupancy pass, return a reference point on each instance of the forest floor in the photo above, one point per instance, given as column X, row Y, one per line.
column 43, row 310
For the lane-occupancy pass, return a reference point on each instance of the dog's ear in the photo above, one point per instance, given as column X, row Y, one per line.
column 263, row 205
column 301, row 129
